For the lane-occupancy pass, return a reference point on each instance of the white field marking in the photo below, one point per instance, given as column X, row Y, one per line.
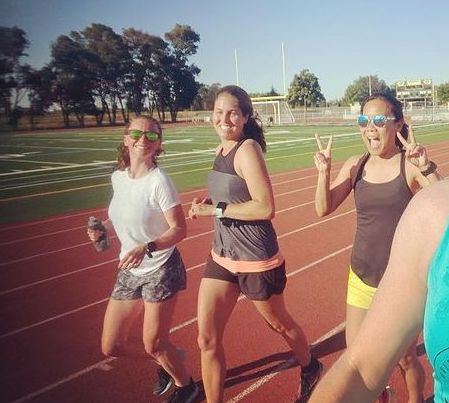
column 7, row 156
column 181, row 194
column 173, row 329
column 64, row 167
column 172, row 174
column 281, row 367
column 52, row 182
column 179, row 141
column 212, row 150
column 62, row 164
column 44, row 174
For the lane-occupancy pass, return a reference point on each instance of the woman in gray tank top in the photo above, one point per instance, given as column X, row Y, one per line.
column 384, row 180
column 245, row 256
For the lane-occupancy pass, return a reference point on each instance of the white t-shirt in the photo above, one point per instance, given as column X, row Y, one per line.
column 137, row 213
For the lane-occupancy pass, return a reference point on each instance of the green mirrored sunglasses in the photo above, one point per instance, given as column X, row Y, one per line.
column 137, row 134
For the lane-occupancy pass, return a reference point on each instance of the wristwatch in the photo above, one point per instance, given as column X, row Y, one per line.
column 430, row 170
column 220, row 209
column 150, row 248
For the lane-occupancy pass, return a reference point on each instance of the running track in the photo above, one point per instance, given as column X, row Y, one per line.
column 54, row 288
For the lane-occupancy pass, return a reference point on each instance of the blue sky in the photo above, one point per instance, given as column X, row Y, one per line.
column 338, row 40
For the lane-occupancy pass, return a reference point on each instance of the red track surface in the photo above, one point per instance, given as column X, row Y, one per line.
column 54, row 287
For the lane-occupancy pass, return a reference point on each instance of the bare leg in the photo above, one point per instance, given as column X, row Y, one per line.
column 216, row 301
column 413, row 374
column 276, row 315
column 119, row 316
column 156, row 327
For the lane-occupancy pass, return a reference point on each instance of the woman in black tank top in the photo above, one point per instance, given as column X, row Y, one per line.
column 384, row 180
column 245, row 256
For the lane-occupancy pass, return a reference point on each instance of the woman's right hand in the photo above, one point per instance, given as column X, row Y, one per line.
column 201, row 208
column 323, row 157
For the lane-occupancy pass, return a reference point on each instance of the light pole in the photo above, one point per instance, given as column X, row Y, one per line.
column 236, row 66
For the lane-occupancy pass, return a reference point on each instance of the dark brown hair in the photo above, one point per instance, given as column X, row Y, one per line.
column 253, row 128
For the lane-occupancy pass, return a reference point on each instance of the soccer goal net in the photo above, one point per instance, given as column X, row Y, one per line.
column 273, row 110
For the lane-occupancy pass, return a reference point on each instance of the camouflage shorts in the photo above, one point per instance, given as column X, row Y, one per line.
column 154, row 287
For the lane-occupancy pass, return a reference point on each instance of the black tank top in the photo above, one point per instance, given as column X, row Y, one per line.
column 238, row 239
column 379, row 207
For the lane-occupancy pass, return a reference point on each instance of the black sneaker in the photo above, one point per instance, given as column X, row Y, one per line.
column 163, row 383
column 309, row 381
column 185, row 394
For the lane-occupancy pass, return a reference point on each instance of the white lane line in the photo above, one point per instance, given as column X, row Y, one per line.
column 281, row 367
column 43, row 322
column 182, row 325
column 35, row 283
column 112, row 237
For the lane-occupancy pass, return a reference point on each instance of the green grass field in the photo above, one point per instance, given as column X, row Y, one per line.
column 53, row 172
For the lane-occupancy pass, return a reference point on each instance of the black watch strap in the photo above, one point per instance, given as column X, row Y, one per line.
column 150, row 248
column 430, row 170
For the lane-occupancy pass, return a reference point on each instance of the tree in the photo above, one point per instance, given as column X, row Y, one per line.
column 112, row 63
column 304, row 90
column 75, row 78
column 13, row 43
column 359, row 89
column 40, row 91
column 204, row 100
column 178, row 88
column 271, row 93
column 443, row 93
column 145, row 69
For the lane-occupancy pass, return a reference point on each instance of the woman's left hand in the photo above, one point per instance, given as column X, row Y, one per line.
column 414, row 152
column 133, row 258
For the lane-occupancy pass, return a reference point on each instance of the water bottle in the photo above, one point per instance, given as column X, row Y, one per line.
column 102, row 243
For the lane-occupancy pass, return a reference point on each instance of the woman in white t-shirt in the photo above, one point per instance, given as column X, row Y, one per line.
column 148, row 219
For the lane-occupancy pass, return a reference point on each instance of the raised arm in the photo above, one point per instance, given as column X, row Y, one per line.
column 425, row 171
column 329, row 196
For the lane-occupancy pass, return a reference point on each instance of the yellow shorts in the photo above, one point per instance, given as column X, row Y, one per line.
column 359, row 294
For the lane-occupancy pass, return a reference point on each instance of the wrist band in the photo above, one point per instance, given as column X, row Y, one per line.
column 430, row 170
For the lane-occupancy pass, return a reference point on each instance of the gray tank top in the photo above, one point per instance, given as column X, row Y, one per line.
column 238, row 239
column 379, row 207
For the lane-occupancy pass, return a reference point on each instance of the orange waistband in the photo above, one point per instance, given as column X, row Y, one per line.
column 246, row 266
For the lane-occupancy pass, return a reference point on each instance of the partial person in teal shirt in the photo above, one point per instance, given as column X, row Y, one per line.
column 412, row 295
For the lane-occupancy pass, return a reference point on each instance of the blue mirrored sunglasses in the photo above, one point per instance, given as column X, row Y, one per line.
column 378, row 120
column 137, row 134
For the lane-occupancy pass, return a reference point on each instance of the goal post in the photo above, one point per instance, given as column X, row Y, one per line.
column 273, row 110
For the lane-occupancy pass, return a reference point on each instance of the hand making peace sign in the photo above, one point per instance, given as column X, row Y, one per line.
column 414, row 152
column 323, row 157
